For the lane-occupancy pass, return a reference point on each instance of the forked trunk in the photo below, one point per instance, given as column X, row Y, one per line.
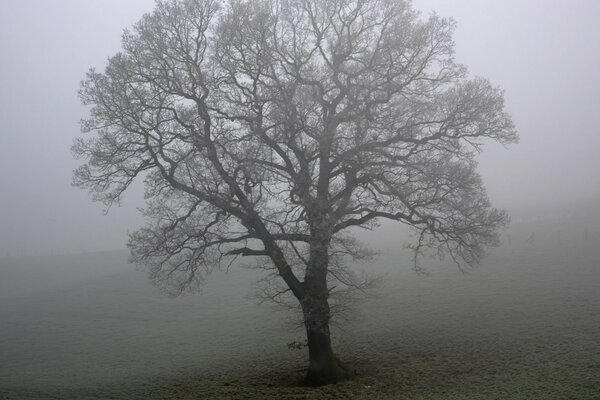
column 324, row 367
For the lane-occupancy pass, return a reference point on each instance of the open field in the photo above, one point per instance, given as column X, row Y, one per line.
column 526, row 325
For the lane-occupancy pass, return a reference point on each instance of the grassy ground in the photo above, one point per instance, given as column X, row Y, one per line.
column 526, row 325
column 521, row 337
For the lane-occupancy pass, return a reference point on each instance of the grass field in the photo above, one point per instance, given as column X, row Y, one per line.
column 525, row 325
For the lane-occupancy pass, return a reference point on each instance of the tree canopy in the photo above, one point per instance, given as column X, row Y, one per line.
column 275, row 128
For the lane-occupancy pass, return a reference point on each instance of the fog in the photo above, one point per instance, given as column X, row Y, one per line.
column 544, row 54
column 78, row 321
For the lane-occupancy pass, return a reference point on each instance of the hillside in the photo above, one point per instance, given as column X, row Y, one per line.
column 523, row 325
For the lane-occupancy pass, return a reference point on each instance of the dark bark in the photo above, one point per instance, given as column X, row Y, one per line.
column 324, row 367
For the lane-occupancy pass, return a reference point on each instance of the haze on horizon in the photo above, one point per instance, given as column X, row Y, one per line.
column 544, row 54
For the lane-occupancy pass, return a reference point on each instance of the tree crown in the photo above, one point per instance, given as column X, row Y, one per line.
column 262, row 128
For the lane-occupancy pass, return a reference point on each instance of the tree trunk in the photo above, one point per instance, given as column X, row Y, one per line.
column 324, row 367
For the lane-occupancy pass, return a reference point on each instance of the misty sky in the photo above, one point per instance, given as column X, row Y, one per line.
column 544, row 53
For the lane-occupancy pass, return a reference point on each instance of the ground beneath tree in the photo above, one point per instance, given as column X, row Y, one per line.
column 456, row 371
column 524, row 326
column 553, row 364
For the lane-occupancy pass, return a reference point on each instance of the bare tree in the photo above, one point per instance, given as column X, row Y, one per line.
column 272, row 128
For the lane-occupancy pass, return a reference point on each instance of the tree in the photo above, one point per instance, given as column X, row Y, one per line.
column 275, row 128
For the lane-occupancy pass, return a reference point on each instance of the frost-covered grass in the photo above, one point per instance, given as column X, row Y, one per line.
column 526, row 325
